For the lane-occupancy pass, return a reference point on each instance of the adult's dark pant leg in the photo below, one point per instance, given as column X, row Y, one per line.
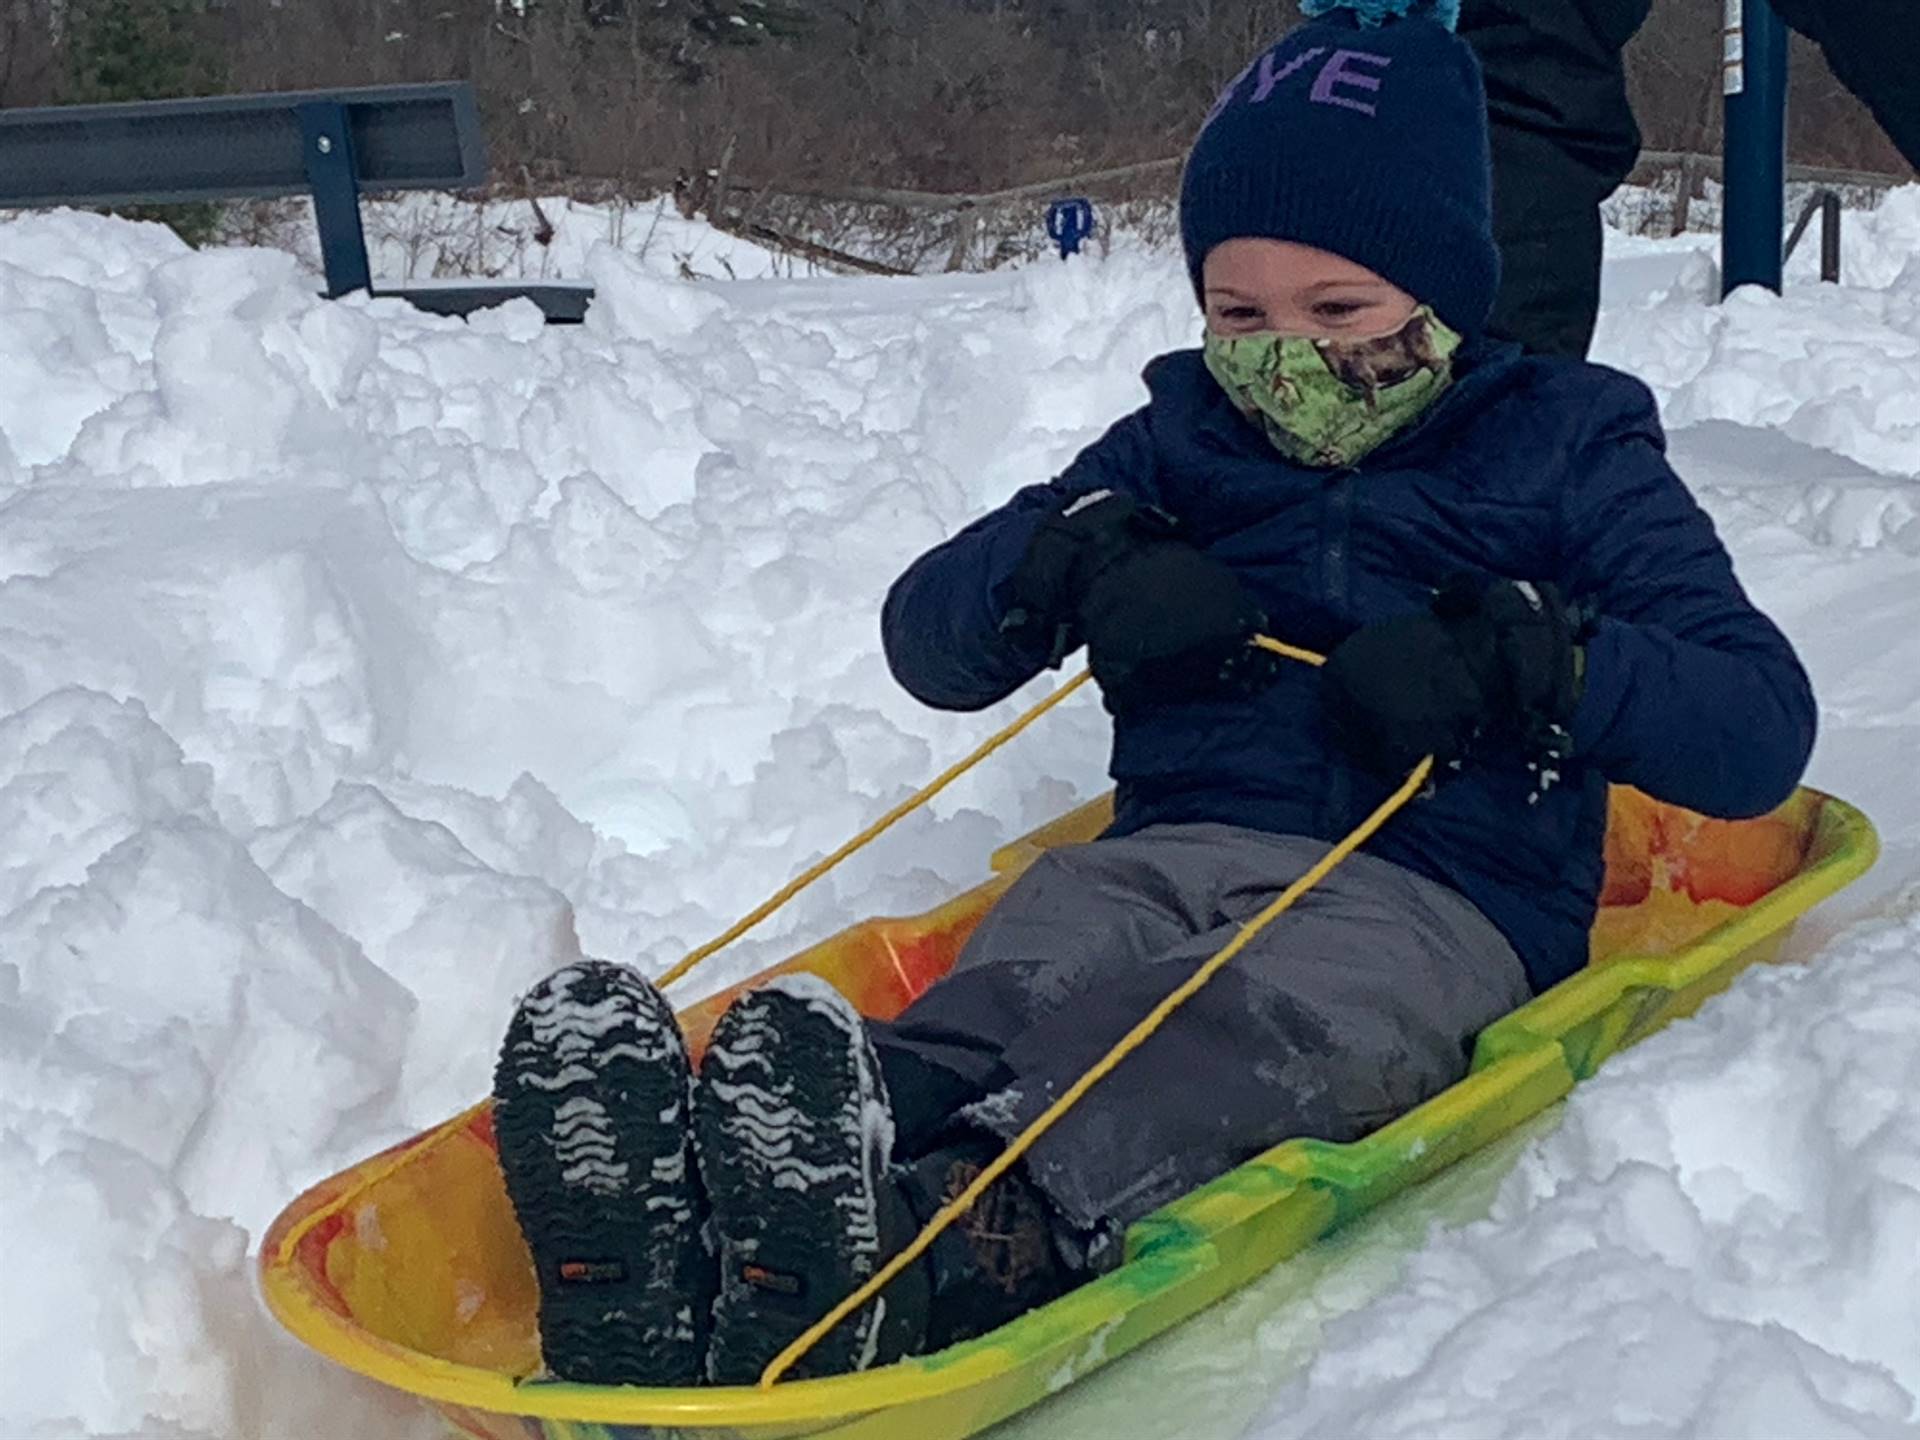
column 1564, row 138
column 1874, row 49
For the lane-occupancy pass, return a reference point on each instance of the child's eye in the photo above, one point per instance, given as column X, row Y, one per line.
column 1340, row 309
column 1241, row 312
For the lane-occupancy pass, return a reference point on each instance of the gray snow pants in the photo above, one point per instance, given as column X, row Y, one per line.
column 1354, row 1006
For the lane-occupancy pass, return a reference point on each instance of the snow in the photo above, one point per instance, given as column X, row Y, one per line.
column 358, row 667
column 1660, row 1270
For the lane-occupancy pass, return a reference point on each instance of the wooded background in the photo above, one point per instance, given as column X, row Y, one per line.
column 945, row 95
column 835, row 131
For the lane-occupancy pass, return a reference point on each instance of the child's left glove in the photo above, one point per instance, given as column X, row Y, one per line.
column 1499, row 659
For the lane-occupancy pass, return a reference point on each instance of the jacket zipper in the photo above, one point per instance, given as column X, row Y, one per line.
column 1336, row 572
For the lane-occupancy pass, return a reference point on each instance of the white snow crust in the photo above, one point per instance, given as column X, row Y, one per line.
column 359, row 667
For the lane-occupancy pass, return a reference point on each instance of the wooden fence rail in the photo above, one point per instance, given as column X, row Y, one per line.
column 735, row 203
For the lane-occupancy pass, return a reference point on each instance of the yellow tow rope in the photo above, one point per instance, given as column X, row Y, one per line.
column 1130, row 1042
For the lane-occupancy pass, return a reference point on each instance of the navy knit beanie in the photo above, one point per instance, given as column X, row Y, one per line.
column 1363, row 138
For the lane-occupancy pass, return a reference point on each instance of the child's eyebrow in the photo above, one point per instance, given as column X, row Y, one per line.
column 1319, row 287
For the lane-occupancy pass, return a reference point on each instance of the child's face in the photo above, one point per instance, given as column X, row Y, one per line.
column 1259, row 285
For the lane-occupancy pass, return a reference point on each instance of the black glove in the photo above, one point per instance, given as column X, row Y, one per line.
column 1162, row 620
column 1491, row 660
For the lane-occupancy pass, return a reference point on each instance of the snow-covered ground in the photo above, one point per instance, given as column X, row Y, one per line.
column 357, row 667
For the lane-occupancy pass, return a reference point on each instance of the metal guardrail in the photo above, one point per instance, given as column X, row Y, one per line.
column 1827, row 203
column 331, row 144
column 163, row 152
column 1797, row 174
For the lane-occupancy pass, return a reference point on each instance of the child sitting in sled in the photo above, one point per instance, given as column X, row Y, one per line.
column 1506, row 575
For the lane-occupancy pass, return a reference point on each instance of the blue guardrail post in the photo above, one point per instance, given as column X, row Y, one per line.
column 1754, row 75
column 336, row 197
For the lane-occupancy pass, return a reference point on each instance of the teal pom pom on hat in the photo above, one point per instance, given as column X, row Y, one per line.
column 1362, row 132
column 1378, row 12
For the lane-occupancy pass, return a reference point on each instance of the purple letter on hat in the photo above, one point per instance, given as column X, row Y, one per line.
column 1339, row 71
column 1226, row 96
column 1270, row 77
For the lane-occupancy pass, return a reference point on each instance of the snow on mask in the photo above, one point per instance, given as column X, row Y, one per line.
column 1330, row 402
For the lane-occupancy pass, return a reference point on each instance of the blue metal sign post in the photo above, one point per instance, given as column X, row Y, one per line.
column 1754, row 75
column 1069, row 222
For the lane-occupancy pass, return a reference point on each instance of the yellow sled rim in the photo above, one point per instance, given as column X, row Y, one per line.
column 406, row 1268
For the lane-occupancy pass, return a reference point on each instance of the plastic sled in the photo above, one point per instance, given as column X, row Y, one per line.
column 408, row 1267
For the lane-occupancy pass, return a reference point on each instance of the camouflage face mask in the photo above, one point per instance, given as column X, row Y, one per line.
column 1330, row 402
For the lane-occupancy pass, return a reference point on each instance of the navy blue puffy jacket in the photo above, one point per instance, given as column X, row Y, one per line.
column 1531, row 468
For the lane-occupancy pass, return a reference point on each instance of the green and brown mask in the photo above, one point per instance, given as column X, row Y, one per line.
column 1330, row 402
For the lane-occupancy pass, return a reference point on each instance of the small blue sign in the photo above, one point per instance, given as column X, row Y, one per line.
column 1069, row 222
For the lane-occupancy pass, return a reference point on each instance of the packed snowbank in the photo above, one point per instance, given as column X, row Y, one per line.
column 1719, row 1240
column 357, row 667
column 1784, row 364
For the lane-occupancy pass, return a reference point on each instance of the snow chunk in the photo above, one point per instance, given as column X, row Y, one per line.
column 462, row 937
column 177, row 1004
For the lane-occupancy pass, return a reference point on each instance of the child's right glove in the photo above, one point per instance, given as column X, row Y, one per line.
column 1499, row 658
column 1162, row 620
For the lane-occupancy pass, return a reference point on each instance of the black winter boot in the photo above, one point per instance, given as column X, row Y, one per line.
column 591, row 1106
column 997, row 1261
column 794, row 1133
